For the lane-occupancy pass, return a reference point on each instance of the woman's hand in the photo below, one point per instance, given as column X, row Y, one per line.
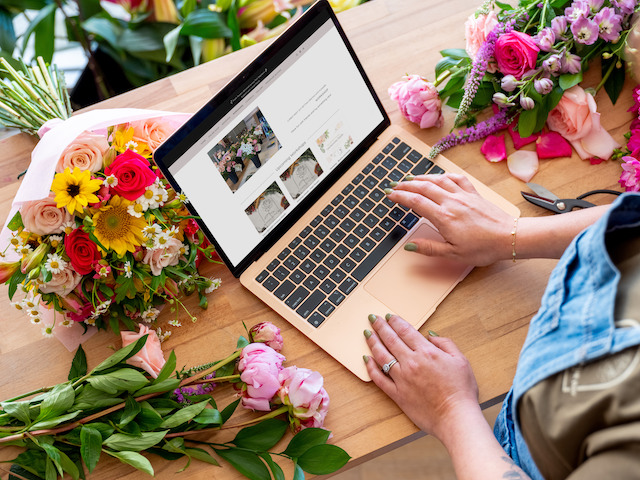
column 431, row 381
column 475, row 231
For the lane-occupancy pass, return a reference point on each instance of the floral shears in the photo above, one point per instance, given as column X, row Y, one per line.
column 546, row 199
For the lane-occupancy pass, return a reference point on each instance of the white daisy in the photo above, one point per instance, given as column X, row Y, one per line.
column 162, row 336
column 90, row 321
column 55, row 240
column 127, row 269
column 212, row 284
column 183, row 198
column 35, row 320
column 110, row 181
column 69, row 226
column 175, row 323
column 55, row 263
column 17, row 305
column 151, row 230
column 66, row 323
column 149, row 315
column 161, row 239
column 47, row 331
column 135, row 210
column 24, row 249
column 33, row 312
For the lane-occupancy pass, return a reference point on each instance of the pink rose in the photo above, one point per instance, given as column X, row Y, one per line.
column 150, row 358
column 259, row 366
column 418, row 101
column 476, row 31
column 134, row 174
column 159, row 258
column 576, row 119
column 302, row 389
column 152, row 132
column 516, row 54
column 630, row 177
column 63, row 282
column 85, row 152
column 267, row 333
column 43, row 217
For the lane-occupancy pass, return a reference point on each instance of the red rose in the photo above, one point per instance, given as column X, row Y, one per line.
column 516, row 54
column 133, row 173
column 82, row 252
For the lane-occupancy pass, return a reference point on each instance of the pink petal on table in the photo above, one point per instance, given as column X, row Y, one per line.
column 518, row 141
column 523, row 164
column 552, row 145
column 494, row 149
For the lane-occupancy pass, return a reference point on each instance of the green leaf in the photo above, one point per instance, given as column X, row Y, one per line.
column 89, row 399
column 58, row 400
column 121, row 441
column 242, row 342
column 120, row 380
column 54, row 421
column 41, row 23
column 559, row 3
column 15, row 280
column 195, row 43
column 135, row 460
column 202, row 455
column 105, row 430
column 32, row 461
column 168, row 368
column 170, row 41
column 505, row 6
column 16, row 222
column 131, row 409
column 234, row 25
column 615, row 82
column 455, row 53
column 206, row 24
column 323, row 459
column 184, row 415
column 50, row 470
column 277, row 472
column 103, row 28
column 527, row 122
column 148, row 418
column 209, row 416
column 68, row 466
column 121, row 355
column 91, row 446
column 19, row 410
column 187, row 7
column 7, row 32
column 228, row 410
column 22, row 473
column 262, row 436
column 78, row 365
column 305, row 439
column 568, row 80
column 454, row 85
column 175, row 445
column 54, row 454
column 166, row 386
column 484, row 95
column 247, row 463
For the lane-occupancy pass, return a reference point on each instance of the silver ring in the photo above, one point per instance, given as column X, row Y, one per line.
column 387, row 366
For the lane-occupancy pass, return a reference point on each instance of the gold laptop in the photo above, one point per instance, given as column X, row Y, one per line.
column 286, row 168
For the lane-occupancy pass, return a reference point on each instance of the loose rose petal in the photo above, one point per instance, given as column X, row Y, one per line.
column 523, row 164
column 518, row 141
column 493, row 148
column 552, row 145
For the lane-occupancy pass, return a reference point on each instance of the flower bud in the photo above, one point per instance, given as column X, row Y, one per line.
column 527, row 103
column 543, row 85
column 34, row 273
column 268, row 333
column 509, row 83
column 257, row 10
column 171, row 287
column 7, row 270
column 34, row 259
column 501, row 99
column 212, row 48
column 165, row 11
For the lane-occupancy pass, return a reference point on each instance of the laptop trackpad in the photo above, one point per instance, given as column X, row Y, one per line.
column 411, row 284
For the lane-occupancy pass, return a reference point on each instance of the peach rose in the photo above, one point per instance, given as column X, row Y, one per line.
column 150, row 357
column 85, row 152
column 576, row 119
column 43, row 217
column 62, row 283
column 476, row 31
column 152, row 132
column 158, row 258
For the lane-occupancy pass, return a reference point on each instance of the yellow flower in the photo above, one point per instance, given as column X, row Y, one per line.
column 75, row 190
column 123, row 141
column 116, row 229
column 341, row 5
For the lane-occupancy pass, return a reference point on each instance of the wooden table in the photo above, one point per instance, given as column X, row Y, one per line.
column 487, row 314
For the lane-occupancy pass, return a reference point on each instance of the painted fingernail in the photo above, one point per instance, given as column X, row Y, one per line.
column 387, row 316
column 411, row 247
column 372, row 318
column 433, row 334
column 365, row 358
column 388, row 191
column 408, row 178
column 393, row 184
column 367, row 333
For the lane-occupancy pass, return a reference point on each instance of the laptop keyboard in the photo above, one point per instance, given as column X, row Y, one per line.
column 326, row 261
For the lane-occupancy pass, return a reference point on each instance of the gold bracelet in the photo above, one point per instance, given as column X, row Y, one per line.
column 513, row 239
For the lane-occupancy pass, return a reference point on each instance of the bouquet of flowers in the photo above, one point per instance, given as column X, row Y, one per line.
column 98, row 235
column 630, row 154
column 116, row 410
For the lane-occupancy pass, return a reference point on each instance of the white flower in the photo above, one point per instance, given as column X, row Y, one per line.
column 127, row 269
column 175, row 323
column 212, row 284
column 149, row 315
column 66, row 323
column 69, row 226
column 17, row 305
column 33, row 312
column 183, row 198
column 90, row 321
column 173, row 231
column 24, row 249
column 35, row 320
column 135, row 210
column 47, row 331
column 55, row 240
column 151, row 230
column 55, row 263
column 161, row 240
column 162, row 336
column 110, row 181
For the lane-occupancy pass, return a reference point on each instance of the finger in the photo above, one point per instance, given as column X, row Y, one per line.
column 390, row 340
column 430, row 188
column 409, row 335
column 446, row 345
column 463, row 182
column 386, row 384
column 431, row 248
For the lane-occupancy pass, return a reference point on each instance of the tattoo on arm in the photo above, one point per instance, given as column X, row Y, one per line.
column 514, row 472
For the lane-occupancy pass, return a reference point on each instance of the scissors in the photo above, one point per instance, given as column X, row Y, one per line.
column 546, row 199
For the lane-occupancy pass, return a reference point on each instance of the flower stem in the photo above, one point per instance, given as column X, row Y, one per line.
column 33, row 392
column 220, row 364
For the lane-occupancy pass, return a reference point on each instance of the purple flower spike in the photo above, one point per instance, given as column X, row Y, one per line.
column 585, row 31
column 609, row 24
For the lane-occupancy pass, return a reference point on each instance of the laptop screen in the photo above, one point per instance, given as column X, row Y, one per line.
column 282, row 128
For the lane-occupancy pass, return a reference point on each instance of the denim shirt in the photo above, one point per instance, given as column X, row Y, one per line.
column 575, row 323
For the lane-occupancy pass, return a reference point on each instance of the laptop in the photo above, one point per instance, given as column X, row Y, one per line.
column 286, row 168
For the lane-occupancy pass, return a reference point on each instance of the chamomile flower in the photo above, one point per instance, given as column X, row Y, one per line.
column 128, row 272
column 66, row 323
column 47, row 331
column 212, row 284
column 182, row 197
column 162, row 336
column 90, row 321
column 173, row 231
column 55, row 263
column 33, row 312
column 175, row 323
column 24, row 250
column 68, row 227
column 29, row 304
column 161, row 239
column 149, row 315
column 151, row 230
column 136, row 210
column 55, row 240
column 184, row 249
column 110, row 181
column 35, row 320
column 17, row 305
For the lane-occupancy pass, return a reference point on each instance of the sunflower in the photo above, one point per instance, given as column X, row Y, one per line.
column 75, row 190
column 116, row 229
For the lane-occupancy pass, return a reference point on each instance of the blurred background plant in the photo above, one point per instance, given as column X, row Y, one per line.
column 129, row 43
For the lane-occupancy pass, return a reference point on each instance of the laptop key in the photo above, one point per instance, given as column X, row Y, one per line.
column 396, row 175
column 358, row 179
column 371, row 182
column 284, row 254
column 367, row 204
column 380, row 173
column 316, row 319
column 347, row 265
column 311, row 282
column 326, row 211
column 321, row 231
column 326, row 309
column 347, row 189
column 388, row 148
column 331, row 221
column 347, row 286
column 317, row 255
column 336, row 200
column 390, row 162
column 436, row 170
column 381, row 210
column 422, row 167
column 270, row 284
column 321, row 272
column 378, row 253
column 331, row 261
column 361, row 230
column 327, row 245
column 261, row 276
column 301, row 252
column 295, row 242
column 347, row 225
column 401, row 150
column 387, row 224
column 368, row 168
column 281, row 273
column 336, row 297
column 357, row 254
column 311, row 303
column 341, row 211
column 327, row 286
column 396, row 140
column 291, row 263
column 351, row 202
column 297, row 297
column 409, row 221
column 316, row 221
column 272, row 266
column 297, row 276
column 337, row 275
column 311, row 241
column 337, row 235
column 371, row 220
column 377, row 234
column 305, row 233
column 307, row 266
column 378, row 158
column 396, row 213
column 405, row 166
column 351, row 241
column 376, row 194
column 367, row 244
column 414, row 156
column 284, row 290
column 356, row 214
column 360, row 192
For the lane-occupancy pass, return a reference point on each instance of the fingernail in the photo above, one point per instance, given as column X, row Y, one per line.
column 433, row 334
column 372, row 318
column 387, row 316
column 365, row 358
column 408, row 178
column 367, row 333
column 393, row 184
column 388, row 191
column 411, row 247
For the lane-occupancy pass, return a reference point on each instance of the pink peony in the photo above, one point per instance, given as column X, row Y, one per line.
column 516, row 53
column 418, row 101
column 150, row 357
column 85, row 152
column 153, row 132
column 476, row 30
column 159, row 258
column 576, row 119
column 267, row 333
column 62, row 283
column 43, row 217
column 259, row 367
column 302, row 389
column 630, row 177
